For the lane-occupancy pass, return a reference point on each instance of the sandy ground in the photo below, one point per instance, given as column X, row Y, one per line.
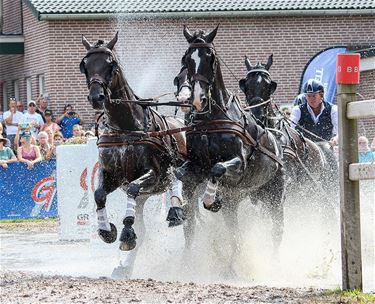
column 29, row 287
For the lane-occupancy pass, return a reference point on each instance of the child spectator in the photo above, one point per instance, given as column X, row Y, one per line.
column 50, row 134
column 6, row 154
column 78, row 136
column 28, row 153
column 49, row 122
column 365, row 155
column 46, row 150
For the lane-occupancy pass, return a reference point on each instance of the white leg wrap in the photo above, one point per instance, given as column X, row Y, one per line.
column 103, row 222
column 209, row 194
column 130, row 207
column 176, row 193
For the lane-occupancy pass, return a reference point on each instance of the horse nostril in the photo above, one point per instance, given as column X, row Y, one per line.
column 101, row 97
column 204, row 99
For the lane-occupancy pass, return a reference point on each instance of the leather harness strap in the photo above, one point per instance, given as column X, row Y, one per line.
column 228, row 126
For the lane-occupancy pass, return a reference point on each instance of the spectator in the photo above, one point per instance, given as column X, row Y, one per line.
column 42, row 102
column 46, row 150
column 57, row 141
column 32, row 118
column 316, row 119
column 28, row 153
column 12, row 118
column 6, row 154
column 2, row 129
column 20, row 107
column 78, row 136
column 365, row 155
column 49, row 123
column 50, row 134
column 68, row 120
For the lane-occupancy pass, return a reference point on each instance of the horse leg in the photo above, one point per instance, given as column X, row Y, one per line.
column 125, row 269
column 273, row 195
column 128, row 236
column 230, row 168
column 176, row 214
column 107, row 231
column 230, row 215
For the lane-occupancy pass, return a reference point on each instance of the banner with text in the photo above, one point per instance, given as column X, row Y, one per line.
column 322, row 67
column 28, row 193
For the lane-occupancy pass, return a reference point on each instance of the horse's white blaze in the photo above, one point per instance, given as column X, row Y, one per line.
column 259, row 80
column 196, row 60
column 197, row 103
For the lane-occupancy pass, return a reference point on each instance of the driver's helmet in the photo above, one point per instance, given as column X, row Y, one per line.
column 313, row 86
column 299, row 100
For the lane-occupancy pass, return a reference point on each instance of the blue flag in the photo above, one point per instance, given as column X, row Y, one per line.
column 322, row 67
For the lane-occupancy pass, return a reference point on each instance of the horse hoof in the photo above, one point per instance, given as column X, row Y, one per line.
column 128, row 239
column 215, row 207
column 175, row 216
column 108, row 236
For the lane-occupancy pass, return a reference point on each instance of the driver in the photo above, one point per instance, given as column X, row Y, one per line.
column 316, row 116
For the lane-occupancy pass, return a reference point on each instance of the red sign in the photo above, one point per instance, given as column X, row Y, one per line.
column 347, row 68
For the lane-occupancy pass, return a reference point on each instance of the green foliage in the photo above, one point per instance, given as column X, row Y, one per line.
column 351, row 296
column 52, row 219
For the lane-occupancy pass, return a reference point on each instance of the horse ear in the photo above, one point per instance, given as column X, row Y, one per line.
column 112, row 43
column 269, row 62
column 189, row 36
column 273, row 87
column 86, row 43
column 242, row 84
column 211, row 36
column 248, row 64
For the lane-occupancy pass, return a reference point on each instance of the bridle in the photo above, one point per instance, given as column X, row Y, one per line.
column 97, row 78
column 201, row 78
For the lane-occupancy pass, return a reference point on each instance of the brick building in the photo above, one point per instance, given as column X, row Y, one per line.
column 40, row 45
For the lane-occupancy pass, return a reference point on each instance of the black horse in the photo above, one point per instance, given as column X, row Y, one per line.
column 306, row 161
column 136, row 151
column 225, row 145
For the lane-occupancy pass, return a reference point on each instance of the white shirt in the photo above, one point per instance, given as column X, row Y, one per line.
column 32, row 119
column 295, row 116
column 17, row 118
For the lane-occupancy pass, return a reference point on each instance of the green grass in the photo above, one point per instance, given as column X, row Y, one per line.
column 52, row 219
column 351, row 296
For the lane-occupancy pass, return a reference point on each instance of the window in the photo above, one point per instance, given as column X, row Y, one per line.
column 28, row 89
column 16, row 85
column 41, row 84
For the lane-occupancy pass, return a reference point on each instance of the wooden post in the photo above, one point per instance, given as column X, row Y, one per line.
column 349, row 190
column 349, row 193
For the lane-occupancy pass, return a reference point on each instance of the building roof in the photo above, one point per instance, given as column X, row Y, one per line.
column 193, row 6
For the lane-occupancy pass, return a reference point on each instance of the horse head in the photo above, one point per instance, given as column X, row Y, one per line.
column 258, row 85
column 201, row 64
column 100, row 66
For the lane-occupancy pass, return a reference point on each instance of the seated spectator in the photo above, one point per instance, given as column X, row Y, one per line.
column 50, row 134
column 6, row 154
column 57, row 141
column 28, row 153
column 365, row 155
column 46, row 150
column 49, row 122
column 32, row 118
column 78, row 136
column 68, row 120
